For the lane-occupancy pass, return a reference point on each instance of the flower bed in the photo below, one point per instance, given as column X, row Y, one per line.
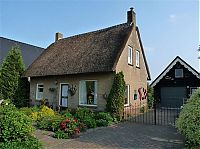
column 69, row 123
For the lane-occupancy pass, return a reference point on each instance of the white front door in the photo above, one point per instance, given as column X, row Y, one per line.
column 64, row 95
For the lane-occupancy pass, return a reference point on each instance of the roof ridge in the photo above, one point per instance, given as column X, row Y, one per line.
column 171, row 65
column 96, row 31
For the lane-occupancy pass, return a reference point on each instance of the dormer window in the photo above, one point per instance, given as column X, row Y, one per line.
column 130, row 55
column 178, row 73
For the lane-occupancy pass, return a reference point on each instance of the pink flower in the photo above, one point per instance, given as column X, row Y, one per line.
column 67, row 121
column 77, row 130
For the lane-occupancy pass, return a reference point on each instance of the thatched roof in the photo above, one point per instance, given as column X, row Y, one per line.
column 85, row 53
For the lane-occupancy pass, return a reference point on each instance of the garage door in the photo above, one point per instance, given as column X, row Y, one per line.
column 173, row 96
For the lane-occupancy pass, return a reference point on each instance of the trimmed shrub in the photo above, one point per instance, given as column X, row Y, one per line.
column 101, row 123
column 30, row 143
column 14, row 124
column 115, row 101
column 103, row 119
column 61, row 135
column 86, row 116
column 16, row 129
column 44, row 111
column 90, row 122
column 68, row 115
column 188, row 122
column 81, row 113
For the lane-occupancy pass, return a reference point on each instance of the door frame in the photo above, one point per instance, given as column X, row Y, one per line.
column 60, row 93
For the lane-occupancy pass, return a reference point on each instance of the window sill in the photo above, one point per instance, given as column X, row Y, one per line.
column 130, row 64
column 138, row 67
column 85, row 105
column 127, row 105
column 38, row 99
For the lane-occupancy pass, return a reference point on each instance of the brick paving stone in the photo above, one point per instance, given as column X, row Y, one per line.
column 122, row 135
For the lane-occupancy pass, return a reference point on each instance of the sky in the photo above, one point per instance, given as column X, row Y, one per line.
column 168, row 28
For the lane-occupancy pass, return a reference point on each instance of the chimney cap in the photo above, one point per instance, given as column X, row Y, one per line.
column 131, row 8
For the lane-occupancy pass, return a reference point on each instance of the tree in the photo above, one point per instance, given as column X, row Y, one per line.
column 115, row 101
column 11, row 83
column 150, row 96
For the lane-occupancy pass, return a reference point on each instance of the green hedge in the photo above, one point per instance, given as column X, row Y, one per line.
column 30, row 143
column 16, row 129
column 188, row 122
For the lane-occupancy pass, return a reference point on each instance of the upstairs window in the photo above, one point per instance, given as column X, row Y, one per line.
column 39, row 91
column 178, row 73
column 127, row 95
column 130, row 55
column 137, row 59
column 88, row 92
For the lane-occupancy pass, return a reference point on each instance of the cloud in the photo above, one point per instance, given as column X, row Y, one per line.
column 172, row 18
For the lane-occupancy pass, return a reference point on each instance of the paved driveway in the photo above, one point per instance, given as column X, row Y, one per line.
column 123, row 135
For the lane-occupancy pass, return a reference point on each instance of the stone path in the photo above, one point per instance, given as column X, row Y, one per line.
column 123, row 135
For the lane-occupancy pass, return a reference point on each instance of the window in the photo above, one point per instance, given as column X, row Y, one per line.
column 135, row 95
column 130, row 55
column 88, row 93
column 137, row 59
column 39, row 91
column 178, row 73
column 193, row 89
column 127, row 95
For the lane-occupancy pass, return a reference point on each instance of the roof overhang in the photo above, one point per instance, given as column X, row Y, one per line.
column 170, row 66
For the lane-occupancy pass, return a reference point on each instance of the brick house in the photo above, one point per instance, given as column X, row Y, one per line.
column 79, row 70
column 176, row 83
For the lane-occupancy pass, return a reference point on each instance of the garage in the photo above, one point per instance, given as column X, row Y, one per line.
column 175, row 84
column 173, row 96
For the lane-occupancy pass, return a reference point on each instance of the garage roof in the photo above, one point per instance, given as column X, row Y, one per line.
column 169, row 67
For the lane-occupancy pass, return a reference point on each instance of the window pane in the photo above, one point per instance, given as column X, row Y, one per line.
column 39, row 91
column 88, row 92
column 83, row 95
column 178, row 73
column 126, row 95
column 40, row 95
column 130, row 55
column 137, row 58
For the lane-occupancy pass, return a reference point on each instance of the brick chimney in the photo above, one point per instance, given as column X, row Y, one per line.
column 58, row 36
column 131, row 16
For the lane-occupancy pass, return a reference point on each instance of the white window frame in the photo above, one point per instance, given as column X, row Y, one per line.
column 130, row 57
column 128, row 95
column 176, row 76
column 96, row 94
column 137, row 59
column 37, row 91
column 191, row 88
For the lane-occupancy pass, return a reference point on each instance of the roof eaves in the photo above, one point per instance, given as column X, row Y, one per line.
column 142, row 48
